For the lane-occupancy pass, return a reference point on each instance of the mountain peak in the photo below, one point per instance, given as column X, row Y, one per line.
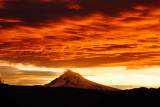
column 70, row 73
column 75, row 80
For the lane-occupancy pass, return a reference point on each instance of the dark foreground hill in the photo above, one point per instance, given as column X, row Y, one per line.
column 21, row 96
column 34, row 96
column 140, row 97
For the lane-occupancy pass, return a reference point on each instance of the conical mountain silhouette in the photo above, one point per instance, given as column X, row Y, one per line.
column 75, row 80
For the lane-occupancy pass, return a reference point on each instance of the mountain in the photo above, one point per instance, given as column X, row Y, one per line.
column 75, row 80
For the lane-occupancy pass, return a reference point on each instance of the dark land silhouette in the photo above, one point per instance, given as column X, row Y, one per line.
column 37, row 96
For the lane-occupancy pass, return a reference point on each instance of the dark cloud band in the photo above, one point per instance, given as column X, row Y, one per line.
column 35, row 13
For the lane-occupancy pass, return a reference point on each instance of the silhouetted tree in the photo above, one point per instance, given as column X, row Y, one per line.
column 1, row 80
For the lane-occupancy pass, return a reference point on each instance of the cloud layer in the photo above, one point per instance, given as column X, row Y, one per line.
column 80, row 33
column 12, row 75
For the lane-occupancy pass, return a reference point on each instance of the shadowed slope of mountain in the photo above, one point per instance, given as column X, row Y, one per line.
column 75, row 80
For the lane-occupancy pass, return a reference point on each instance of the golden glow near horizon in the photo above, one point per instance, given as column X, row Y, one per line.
column 119, row 77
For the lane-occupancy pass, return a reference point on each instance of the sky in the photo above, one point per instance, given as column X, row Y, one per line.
column 112, row 42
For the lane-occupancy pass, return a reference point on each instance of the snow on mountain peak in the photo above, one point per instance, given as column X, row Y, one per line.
column 70, row 74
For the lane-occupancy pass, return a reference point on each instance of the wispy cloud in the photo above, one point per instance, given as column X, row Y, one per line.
column 12, row 75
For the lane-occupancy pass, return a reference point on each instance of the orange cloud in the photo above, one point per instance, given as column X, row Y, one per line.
column 75, row 34
column 2, row 5
column 74, row 6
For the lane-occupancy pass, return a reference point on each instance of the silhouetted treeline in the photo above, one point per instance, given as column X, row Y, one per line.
column 36, row 96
